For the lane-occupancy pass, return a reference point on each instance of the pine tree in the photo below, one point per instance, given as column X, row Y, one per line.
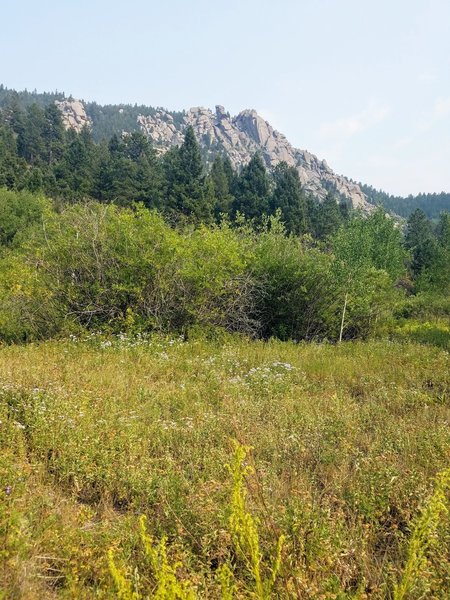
column 220, row 182
column 53, row 134
column 252, row 190
column 329, row 217
column 344, row 209
column 31, row 139
column 14, row 116
column 433, row 259
column 230, row 173
column 443, row 230
column 288, row 197
column 420, row 241
column 12, row 168
column 186, row 195
column 312, row 215
column 74, row 173
column 418, row 229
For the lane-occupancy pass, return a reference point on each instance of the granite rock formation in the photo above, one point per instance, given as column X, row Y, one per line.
column 238, row 138
column 73, row 114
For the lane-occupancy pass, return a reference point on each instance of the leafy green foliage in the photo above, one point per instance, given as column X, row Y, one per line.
column 103, row 266
column 369, row 259
column 18, row 211
column 294, row 278
column 111, row 276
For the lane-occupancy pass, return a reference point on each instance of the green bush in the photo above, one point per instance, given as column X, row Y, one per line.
column 103, row 267
column 18, row 210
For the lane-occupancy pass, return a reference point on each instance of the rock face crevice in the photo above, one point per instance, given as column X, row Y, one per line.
column 238, row 138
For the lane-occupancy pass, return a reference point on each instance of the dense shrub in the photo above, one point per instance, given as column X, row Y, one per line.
column 100, row 266
column 18, row 210
column 104, row 267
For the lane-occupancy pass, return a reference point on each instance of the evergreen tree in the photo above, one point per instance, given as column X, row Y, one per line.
column 33, row 180
column 435, row 274
column 128, row 171
column 252, row 190
column 230, row 173
column 74, row 173
column 186, row 195
column 12, row 168
column 420, row 241
column 443, row 230
column 220, row 182
column 53, row 134
column 30, row 141
column 288, row 197
column 14, row 116
column 344, row 209
column 418, row 229
column 312, row 215
column 116, row 174
column 329, row 217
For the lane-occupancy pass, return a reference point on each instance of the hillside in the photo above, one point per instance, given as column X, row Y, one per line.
column 237, row 137
column 219, row 133
column 240, row 137
column 431, row 204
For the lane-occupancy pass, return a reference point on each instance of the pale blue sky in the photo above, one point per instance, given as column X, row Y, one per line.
column 364, row 84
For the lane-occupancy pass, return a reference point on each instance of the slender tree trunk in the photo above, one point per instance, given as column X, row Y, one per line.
column 343, row 317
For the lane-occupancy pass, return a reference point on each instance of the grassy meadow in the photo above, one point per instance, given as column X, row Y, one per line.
column 263, row 470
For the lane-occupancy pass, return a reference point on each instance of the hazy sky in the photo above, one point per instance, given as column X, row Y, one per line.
column 364, row 84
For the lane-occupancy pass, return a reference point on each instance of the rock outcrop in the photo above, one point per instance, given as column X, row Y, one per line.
column 237, row 137
column 240, row 137
column 73, row 114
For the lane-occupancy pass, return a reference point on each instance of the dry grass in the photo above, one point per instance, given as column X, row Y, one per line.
column 346, row 443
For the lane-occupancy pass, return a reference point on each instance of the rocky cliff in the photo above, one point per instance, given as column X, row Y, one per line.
column 239, row 138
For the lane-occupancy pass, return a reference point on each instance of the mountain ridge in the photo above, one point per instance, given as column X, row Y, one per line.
column 237, row 137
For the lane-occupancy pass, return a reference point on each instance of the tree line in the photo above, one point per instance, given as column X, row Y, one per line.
column 38, row 155
column 431, row 204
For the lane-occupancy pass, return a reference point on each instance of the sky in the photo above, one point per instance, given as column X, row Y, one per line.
column 364, row 84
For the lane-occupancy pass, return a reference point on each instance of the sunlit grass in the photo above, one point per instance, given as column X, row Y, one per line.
column 347, row 441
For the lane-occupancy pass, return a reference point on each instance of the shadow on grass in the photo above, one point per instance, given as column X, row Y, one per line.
column 435, row 334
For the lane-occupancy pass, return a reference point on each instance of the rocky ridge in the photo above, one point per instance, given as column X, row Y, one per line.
column 240, row 137
column 237, row 137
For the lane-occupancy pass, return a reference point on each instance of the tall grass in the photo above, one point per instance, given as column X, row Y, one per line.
column 422, row 537
column 347, row 442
